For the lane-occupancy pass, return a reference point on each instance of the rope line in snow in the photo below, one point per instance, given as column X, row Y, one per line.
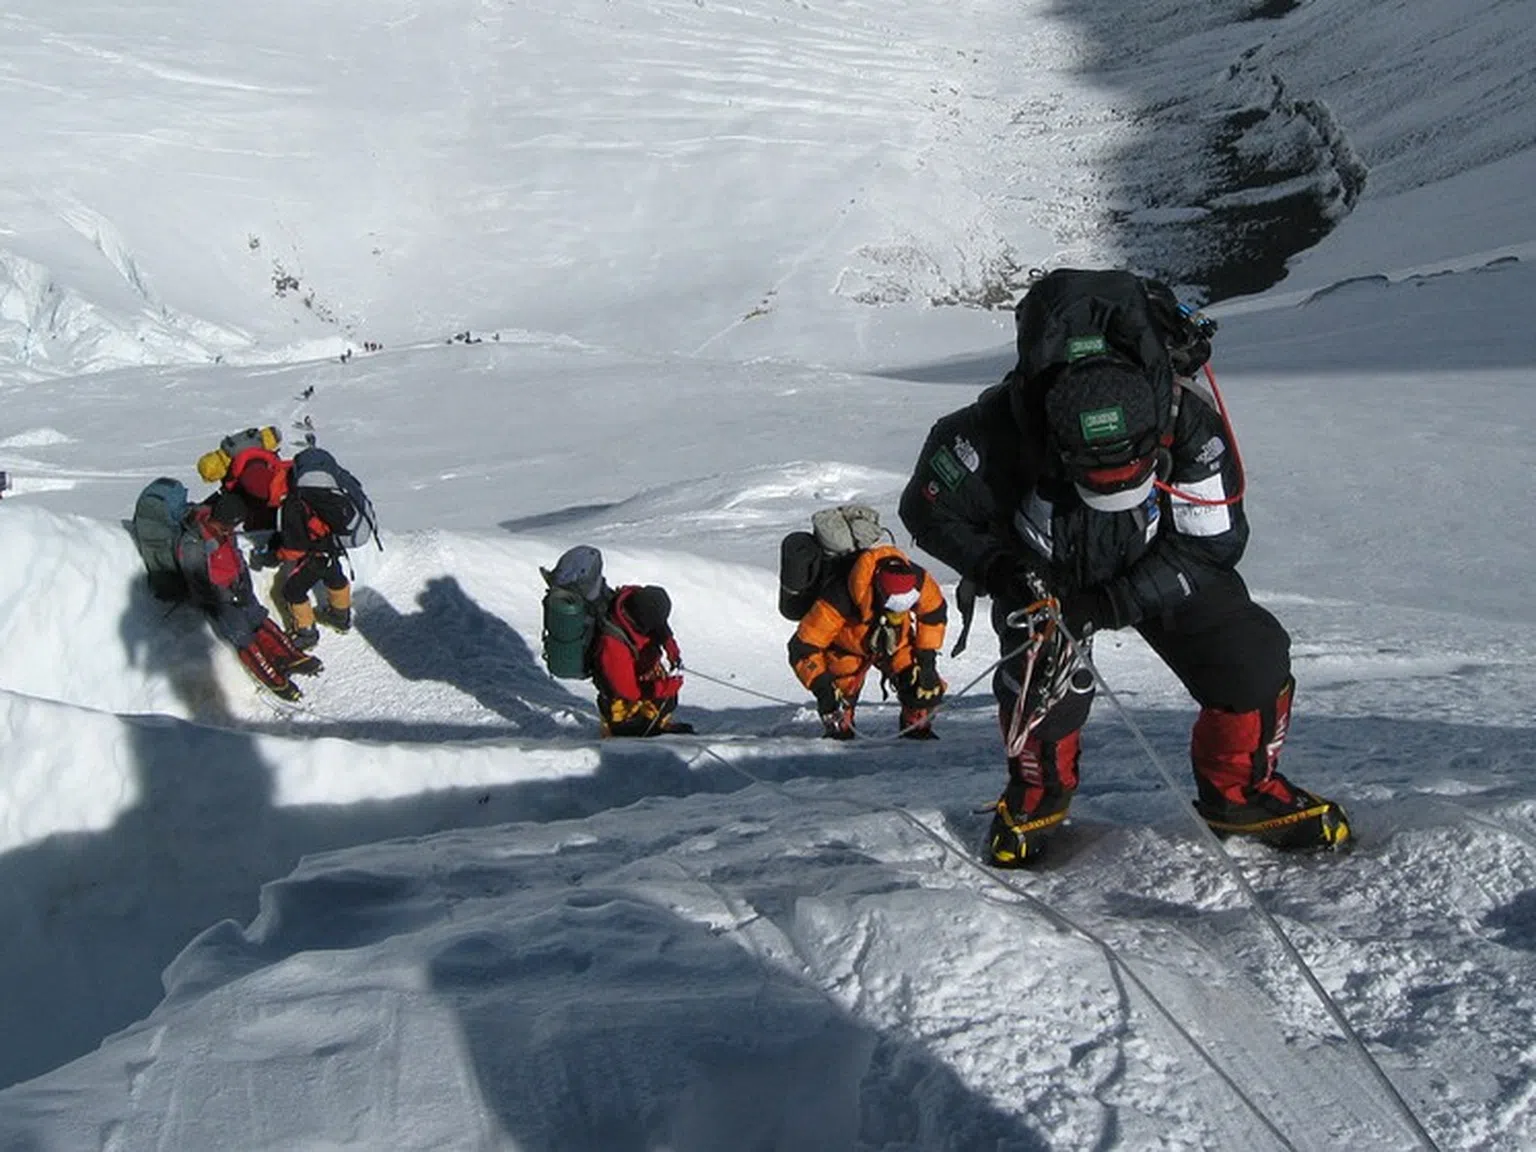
column 1061, row 920
column 1081, row 656
column 1290, row 950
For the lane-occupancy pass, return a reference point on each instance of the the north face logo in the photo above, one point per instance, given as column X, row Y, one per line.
column 1103, row 424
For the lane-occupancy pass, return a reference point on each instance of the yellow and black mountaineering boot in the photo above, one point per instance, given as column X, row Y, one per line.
column 1019, row 837
column 1290, row 818
column 1041, row 781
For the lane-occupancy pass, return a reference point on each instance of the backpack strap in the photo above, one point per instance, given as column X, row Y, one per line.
column 608, row 626
column 965, row 600
column 365, row 510
column 1165, row 440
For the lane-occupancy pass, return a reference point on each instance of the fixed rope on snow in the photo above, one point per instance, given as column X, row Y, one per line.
column 1061, row 920
column 1083, row 658
column 692, row 671
column 1054, row 663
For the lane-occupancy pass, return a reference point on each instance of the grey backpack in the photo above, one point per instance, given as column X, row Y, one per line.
column 846, row 528
column 806, row 559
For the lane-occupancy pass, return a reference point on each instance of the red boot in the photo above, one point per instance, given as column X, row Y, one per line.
column 917, row 724
column 1235, row 757
column 268, row 676
column 283, row 653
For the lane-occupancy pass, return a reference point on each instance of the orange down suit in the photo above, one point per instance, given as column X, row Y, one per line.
column 846, row 632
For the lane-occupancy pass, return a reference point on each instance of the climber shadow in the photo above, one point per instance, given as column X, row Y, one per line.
column 175, row 640
column 604, row 1020
column 453, row 640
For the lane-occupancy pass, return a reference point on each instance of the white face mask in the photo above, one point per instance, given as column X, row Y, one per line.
column 1117, row 501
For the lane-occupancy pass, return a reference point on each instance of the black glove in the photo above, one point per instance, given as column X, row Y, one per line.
column 262, row 558
column 836, row 716
column 828, row 699
column 1015, row 579
column 927, row 685
column 1088, row 611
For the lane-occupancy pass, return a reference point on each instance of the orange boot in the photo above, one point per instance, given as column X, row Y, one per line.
column 336, row 612
column 301, row 625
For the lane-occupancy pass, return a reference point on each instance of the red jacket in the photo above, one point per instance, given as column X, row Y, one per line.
column 210, row 559
column 628, row 664
column 260, row 477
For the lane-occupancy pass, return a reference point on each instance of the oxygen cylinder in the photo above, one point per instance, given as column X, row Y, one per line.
column 568, row 630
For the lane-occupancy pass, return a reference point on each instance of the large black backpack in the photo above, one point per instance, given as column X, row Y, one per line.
column 1071, row 315
column 158, row 518
column 336, row 496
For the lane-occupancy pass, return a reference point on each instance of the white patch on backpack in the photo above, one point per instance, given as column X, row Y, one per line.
column 967, row 454
column 1201, row 519
column 846, row 528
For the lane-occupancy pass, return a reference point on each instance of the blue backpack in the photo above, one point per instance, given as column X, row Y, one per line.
column 158, row 517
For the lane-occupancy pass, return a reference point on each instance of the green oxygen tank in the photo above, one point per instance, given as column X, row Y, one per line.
column 569, row 626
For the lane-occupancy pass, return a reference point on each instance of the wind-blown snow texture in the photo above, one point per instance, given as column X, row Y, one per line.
column 666, row 277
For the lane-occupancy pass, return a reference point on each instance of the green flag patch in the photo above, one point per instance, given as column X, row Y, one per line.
column 1081, row 346
column 1103, row 424
column 947, row 468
